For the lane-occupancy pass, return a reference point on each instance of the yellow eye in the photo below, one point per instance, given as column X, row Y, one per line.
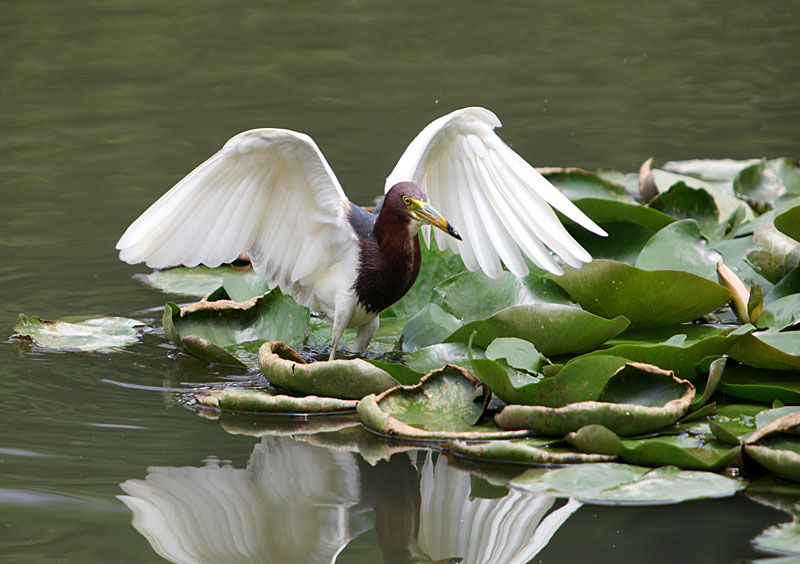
column 407, row 200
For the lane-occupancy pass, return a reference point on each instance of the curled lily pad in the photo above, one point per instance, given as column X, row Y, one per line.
column 767, row 349
column 446, row 404
column 771, row 447
column 684, row 451
column 525, row 451
column 265, row 402
column 85, row 334
column 768, row 180
column 637, row 399
column 223, row 330
column 761, row 385
column 680, row 246
column 581, row 379
column 624, row 483
column 553, row 328
column 346, row 379
column 648, row 298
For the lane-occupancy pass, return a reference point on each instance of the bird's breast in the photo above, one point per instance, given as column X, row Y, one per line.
column 386, row 272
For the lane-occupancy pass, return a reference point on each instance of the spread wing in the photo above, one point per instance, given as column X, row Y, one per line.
column 498, row 202
column 268, row 193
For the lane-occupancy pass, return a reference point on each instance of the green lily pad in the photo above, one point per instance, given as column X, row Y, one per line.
column 637, row 399
column 776, row 256
column 610, row 211
column 788, row 222
column 577, row 183
column 734, row 421
column 623, row 483
column 778, row 351
column 553, row 328
column 428, row 327
column 102, row 334
column 199, row 281
column 647, row 297
column 472, row 295
column 581, row 379
column 761, row 385
column 219, row 331
column 783, row 538
column 727, row 203
column 624, row 243
column 684, row 202
column 680, row 246
column 265, row 402
column 446, row 404
column 781, row 313
column 768, row 180
column 525, row 451
column 789, row 284
column 779, row 455
column 715, row 371
column 734, row 255
column 684, row 451
column 710, row 170
column 346, row 379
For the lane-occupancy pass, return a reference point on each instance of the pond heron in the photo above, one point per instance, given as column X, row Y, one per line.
column 271, row 194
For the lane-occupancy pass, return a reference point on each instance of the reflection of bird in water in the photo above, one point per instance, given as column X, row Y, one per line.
column 271, row 194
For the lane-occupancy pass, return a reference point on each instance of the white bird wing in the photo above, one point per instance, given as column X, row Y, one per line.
column 268, row 193
column 495, row 200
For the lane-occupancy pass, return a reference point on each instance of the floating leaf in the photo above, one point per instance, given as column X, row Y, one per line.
column 761, row 385
column 199, row 281
column 554, row 329
column 525, row 451
column 684, row 202
column 267, row 402
column 637, row 399
column 788, row 222
column 767, row 349
column 346, row 379
column 446, row 404
column 428, row 327
column 684, row 451
column 217, row 331
column 104, row 334
column 734, row 421
column 624, row 243
column 734, row 255
column 768, row 180
column 581, row 379
column 778, row 454
column 715, row 372
column 680, row 246
column 623, row 483
column 610, row 211
column 777, row 254
column 577, row 183
column 647, row 297
column 725, row 200
column 473, row 295
column 678, row 354
column 710, row 169
column 519, row 354
column 780, row 539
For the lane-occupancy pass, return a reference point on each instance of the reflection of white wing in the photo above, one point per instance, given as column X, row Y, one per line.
column 497, row 201
column 508, row 530
column 268, row 193
column 293, row 503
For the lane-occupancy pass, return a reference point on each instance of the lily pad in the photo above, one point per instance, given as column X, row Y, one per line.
column 553, row 328
column 684, row 202
column 776, row 256
column 624, row 483
column 761, row 385
column 680, row 246
column 734, row 421
column 684, row 451
column 525, row 451
column 581, row 379
column 624, row 243
column 446, row 404
column 577, row 183
column 772, row 445
column 199, row 281
column 265, row 402
column 780, row 539
column 637, row 399
column 767, row 349
column 768, row 180
column 647, row 297
column 788, row 222
column 219, row 331
column 103, row 334
column 346, row 379
column 727, row 203
column 608, row 211
column 428, row 327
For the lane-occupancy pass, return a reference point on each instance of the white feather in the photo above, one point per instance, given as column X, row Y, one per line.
column 498, row 202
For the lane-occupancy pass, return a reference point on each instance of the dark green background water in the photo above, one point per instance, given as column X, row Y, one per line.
column 105, row 104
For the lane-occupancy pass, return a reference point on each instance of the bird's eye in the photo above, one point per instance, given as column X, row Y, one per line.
column 407, row 200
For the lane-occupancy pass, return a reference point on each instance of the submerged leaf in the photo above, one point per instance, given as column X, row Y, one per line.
column 85, row 334
column 624, row 483
column 647, row 297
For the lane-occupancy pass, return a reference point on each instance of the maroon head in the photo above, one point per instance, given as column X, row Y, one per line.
column 410, row 202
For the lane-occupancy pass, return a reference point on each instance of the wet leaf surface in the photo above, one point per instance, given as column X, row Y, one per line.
column 680, row 246
column 257, row 401
column 199, row 281
column 612, row 483
column 104, row 334
column 525, row 451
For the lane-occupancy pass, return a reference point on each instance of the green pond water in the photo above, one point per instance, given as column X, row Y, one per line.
column 104, row 105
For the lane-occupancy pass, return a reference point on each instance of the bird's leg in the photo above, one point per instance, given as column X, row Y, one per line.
column 345, row 304
column 364, row 335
